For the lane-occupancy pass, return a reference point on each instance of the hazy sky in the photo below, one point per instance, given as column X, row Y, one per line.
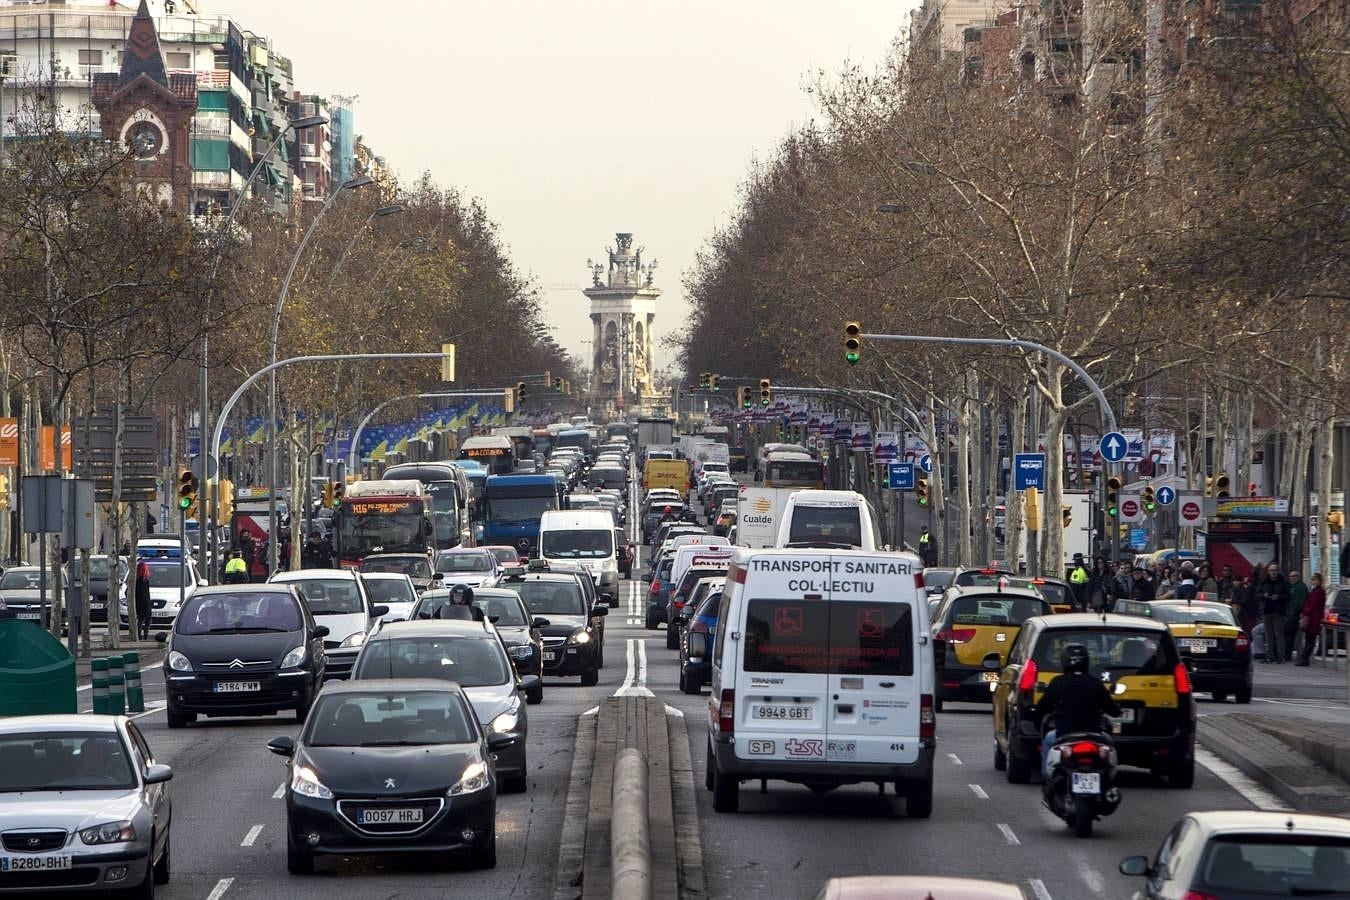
column 574, row 120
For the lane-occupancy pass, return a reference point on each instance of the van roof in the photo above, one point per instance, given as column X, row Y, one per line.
column 827, row 498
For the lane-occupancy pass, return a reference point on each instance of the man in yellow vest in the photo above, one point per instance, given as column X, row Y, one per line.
column 236, row 570
column 1078, row 578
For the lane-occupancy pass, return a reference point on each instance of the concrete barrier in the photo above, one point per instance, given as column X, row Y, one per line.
column 630, row 837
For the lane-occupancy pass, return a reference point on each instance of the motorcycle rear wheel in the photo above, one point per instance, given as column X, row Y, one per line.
column 1083, row 816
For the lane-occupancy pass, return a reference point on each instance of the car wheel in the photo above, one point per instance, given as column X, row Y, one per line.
column 298, row 862
column 162, row 867
column 919, row 800
column 1220, row 696
column 613, row 600
column 590, row 678
column 690, row 684
column 516, row 784
column 179, row 720
column 484, row 856
column 726, row 792
column 708, row 771
column 1244, row 695
column 535, row 696
column 1000, row 759
column 1182, row 773
column 937, row 702
column 651, row 622
column 672, row 637
column 1019, row 770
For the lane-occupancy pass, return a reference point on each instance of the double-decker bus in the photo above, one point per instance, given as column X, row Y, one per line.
column 787, row 468
column 450, row 497
column 384, row 516
column 494, row 452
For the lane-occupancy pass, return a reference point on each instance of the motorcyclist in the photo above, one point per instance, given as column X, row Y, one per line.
column 1076, row 699
column 461, row 595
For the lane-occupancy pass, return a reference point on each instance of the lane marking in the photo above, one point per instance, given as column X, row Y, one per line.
column 672, row 711
column 279, row 792
column 1091, row 877
column 219, row 890
column 593, row 711
column 251, row 836
column 1246, row 788
column 978, row 791
column 635, row 679
column 956, row 760
column 1008, row 834
column 1038, row 888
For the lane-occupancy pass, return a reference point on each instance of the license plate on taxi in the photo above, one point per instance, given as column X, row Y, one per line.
column 989, row 677
column 236, row 687
column 1087, row 782
column 34, row 863
column 392, row 816
column 1197, row 645
column 550, row 656
column 787, row 713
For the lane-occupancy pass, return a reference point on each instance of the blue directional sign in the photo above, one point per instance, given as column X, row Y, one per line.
column 926, row 463
column 1028, row 471
column 901, row 476
column 1114, row 446
column 1165, row 496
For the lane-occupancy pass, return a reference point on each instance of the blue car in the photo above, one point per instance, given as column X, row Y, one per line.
column 696, row 644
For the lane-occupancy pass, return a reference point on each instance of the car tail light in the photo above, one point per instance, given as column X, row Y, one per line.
column 927, row 718
column 1027, row 681
column 1243, row 643
column 956, row 635
column 918, row 580
column 726, row 713
column 698, row 626
column 1182, row 678
column 1198, row 895
column 656, row 587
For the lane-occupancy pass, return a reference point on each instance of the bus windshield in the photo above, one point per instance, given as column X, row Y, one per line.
column 807, row 473
column 381, row 525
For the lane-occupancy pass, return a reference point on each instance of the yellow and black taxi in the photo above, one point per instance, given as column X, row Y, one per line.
column 1138, row 660
column 1055, row 590
column 1209, row 636
column 970, row 624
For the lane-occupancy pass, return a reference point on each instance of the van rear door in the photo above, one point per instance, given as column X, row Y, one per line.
column 782, row 687
column 876, row 678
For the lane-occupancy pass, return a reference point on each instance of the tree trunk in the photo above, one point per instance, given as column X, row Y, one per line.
column 963, row 417
column 1012, row 518
column 1052, row 524
column 115, row 550
column 1326, row 462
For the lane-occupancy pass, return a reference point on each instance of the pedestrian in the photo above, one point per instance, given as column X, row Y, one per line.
column 1078, row 581
column 1186, row 588
column 1298, row 596
column 1099, row 588
column 926, row 547
column 236, row 570
column 1206, row 583
column 1310, row 622
column 1227, row 584
column 142, row 600
column 1141, row 587
column 246, row 551
column 1166, row 583
column 1274, row 594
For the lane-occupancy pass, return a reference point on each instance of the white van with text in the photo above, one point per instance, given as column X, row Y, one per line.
column 828, row 519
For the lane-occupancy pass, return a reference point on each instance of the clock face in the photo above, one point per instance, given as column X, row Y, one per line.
column 145, row 139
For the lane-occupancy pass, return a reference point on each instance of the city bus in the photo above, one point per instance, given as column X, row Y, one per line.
column 789, row 469
column 495, row 452
column 522, row 442
column 450, row 497
column 383, row 516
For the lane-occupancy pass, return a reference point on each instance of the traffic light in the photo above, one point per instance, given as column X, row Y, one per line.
column 1067, row 512
column 852, row 345
column 715, row 382
column 743, row 398
column 921, row 491
column 1221, row 483
column 1113, row 496
column 1336, row 521
column 327, row 501
column 765, row 392
column 336, row 495
column 1150, row 504
column 558, row 384
column 703, row 379
column 548, row 379
column 1251, row 489
column 187, row 490
column 520, row 393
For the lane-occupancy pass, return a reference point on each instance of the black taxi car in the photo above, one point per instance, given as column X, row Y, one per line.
column 971, row 623
column 1209, row 636
column 1136, row 657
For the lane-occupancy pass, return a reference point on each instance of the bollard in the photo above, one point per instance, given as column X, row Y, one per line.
column 117, row 698
column 98, row 676
column 135, row 696
column 630, row 846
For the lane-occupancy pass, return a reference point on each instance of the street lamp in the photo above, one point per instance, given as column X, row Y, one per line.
column 207, row 523
column 350, row 184
column 390, row 210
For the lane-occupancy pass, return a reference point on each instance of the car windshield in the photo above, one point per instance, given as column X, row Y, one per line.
column 1197, row 613
column 471, row 660
column 390, row 720
column 170, row 575
column 330, row 596
column 507, row 556
column 992, row 609
column 64, row 761
column 938, row 579
column 412, row 566
column 543, row 598
column 463, row 562
column 1118, row 651
column 1275, row 865
column 98, row 569
column 573, row 543
column 1057, row 594
column 24, row 580
column 389, row 590
column 499, row 609
column 242, row 611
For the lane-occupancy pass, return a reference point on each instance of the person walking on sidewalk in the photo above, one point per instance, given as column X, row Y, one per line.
column 1274, row 596
column 1298, row 595
column 142, row 600
column 1310, row 622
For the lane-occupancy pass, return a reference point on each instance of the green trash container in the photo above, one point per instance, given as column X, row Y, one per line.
column 37, row 672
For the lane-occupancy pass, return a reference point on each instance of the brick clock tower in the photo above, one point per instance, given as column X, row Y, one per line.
column 149, row 112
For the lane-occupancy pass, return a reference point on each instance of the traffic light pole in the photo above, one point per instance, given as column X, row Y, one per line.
column 356, row 435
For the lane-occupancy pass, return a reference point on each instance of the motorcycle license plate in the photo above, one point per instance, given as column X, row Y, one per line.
column 1086, row 783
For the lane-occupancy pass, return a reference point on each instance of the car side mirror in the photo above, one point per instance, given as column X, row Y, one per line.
column 202, row 582
column 493, row 619
column 992, row 662
column 606, row 598
column 379, row 610
column 600, row 611
column 540, row 622
column 437, row 576
column 157, row 774
column 282, row 746
column 1134, row 865
column 529, row 683
column 321, row 631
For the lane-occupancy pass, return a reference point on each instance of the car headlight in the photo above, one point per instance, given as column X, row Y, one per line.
column 580, row 637
column 178, row 662
column 354, row 640
column 521, row 651
column 293, row 658
column 109, row 833
column 307, row 784
column 506, row 722
column 473, row 778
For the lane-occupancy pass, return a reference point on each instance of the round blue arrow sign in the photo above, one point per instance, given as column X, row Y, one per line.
column 1114, row 446
column 926, row 463
column 1166, row 496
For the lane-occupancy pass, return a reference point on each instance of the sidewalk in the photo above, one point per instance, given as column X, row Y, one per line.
column 1304, row 764
column 1315, row 682
column 152, row 654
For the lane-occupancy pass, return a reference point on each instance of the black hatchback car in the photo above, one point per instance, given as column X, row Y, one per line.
column 398, row 765
column 242, row 650
column 574, row 636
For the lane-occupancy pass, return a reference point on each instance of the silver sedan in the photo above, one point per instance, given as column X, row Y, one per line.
column 83, row 806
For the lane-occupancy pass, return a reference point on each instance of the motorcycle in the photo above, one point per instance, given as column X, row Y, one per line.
column 1080, row 787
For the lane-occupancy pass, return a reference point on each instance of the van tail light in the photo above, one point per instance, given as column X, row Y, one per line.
column 1198, row 895
column 927, row 718
column 956, row 635
column 1182, row 678
column 1243, row 644
column 1027, row 681
column 726, row 713
column 698, row 626
column 918, row 580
